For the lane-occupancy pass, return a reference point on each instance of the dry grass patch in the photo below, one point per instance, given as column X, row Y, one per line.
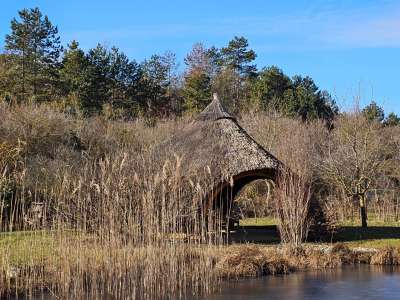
column 251, row 261
column 386, row 256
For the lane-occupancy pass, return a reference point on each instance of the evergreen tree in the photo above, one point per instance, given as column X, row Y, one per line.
column 296, row 97
column 110, row 79
column 373, row 112
column 35, row 41
column 72, row 73
column 196, row 91
column 238, row 57
column 124, row 75
column 9, row 87
column 309, row 102
column 158, row 83
column 97, row 86
column 216, row 61
column 268, row 90
column 234, row 63
column 392, row 120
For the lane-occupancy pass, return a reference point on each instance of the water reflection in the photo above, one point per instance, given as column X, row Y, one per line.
column 361, row 282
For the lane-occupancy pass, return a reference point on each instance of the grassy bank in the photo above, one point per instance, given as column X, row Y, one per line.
column 73, row 266
column 43, row 261
column 69, row 263
column 256, row 260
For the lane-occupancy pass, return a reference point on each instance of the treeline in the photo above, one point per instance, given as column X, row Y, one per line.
column 35, row 67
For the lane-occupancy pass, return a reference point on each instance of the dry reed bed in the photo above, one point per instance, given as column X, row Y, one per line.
column 252, row 260
column 87, row 268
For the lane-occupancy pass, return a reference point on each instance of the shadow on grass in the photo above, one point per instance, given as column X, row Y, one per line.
column 255, row 234
column 270, row 234
column 351, row 233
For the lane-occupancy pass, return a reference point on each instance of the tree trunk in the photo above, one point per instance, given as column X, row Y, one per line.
column 23, row 75
column 363, row 212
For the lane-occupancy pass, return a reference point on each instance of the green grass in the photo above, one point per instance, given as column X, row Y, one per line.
column 377, row 244
column 372, row 221
column 270, row 220
column 30, row 247
column 378, row 234
column 26, row 247
column 264, row 221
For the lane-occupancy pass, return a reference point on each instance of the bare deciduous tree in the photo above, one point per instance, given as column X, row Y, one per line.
column 356, row 154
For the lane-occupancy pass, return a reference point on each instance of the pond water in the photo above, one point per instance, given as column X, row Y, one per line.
column 360, row 282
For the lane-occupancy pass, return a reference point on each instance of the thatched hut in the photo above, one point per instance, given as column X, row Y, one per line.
column 216, row 149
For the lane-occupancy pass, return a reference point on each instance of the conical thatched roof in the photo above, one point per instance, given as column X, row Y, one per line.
column 215, row 146
column 214, row 111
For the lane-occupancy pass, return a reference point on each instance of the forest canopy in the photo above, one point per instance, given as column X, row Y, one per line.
column 35, row 67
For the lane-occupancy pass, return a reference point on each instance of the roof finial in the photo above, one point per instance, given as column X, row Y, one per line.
column 214, row 111
column 215, row 97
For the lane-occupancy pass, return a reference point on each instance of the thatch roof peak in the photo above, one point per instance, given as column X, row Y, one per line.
column 214, row 111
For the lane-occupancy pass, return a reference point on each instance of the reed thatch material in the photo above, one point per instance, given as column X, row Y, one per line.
column 216, row 147
column 218, row 155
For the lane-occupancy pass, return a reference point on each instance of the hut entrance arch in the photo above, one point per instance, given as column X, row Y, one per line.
column 222, row 197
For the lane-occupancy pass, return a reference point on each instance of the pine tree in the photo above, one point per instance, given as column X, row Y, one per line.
column 158, row 84
column 392, row 120
column 8, row 78
column 237, row 58
column 308, row 102
column 268, row 90
column 97, row 88
column 124, row 79
column 196, row 91
column 373, row 112
column 72, row 72
column 35, row 41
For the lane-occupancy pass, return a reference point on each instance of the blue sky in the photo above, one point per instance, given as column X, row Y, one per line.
column 351, row 48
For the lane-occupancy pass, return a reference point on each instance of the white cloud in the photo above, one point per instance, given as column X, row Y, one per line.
column 379, row 31
column 312, row 28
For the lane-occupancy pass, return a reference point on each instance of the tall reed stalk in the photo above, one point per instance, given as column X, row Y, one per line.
column 292, row 198
column 115, row 230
